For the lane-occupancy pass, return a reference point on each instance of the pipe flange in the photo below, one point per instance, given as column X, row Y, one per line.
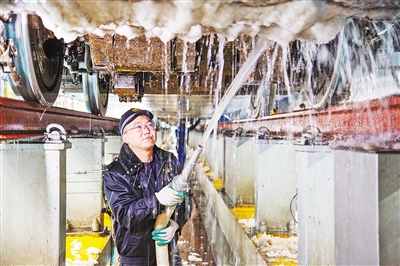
column 178, row 185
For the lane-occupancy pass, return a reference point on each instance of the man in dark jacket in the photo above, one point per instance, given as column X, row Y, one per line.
column 136, row 185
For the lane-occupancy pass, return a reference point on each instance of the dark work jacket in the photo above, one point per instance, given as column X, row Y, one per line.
column 130, row 191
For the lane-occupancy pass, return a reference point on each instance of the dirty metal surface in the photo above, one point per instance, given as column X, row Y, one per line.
column 378, row 116
column 21, row 120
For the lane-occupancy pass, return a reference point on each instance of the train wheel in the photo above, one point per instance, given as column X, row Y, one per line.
column 38, row 61
column 96, row 90
column 96, row 87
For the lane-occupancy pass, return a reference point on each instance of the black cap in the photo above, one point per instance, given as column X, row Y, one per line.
column 130, row 115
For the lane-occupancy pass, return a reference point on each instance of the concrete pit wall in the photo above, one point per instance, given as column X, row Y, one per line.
column 275, row 184
column 112, row 146
column 35, row 177
column 344, row 198
column 240, row 165
column 33, row 203
column 84, row 181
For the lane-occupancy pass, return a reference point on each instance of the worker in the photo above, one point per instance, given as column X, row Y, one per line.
column 137, row 185
column 182, row 136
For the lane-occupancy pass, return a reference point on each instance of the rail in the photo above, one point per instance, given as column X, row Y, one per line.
column 26, row 120
column 375, row 122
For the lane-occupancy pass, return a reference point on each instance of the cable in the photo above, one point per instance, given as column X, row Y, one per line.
column 291, row 211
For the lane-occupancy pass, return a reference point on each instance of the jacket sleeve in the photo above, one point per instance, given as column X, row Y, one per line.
column 129, row 209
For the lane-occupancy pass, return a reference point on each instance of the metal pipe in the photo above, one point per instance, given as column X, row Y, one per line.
column 180, row 182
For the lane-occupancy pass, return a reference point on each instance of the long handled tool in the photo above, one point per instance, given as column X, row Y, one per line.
column 179, row 183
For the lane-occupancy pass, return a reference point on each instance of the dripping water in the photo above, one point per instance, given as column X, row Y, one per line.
column 259, row 47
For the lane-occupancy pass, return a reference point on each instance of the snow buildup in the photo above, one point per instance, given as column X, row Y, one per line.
column 194, row 257
column 272, row 246
column 277, row 247
column 281, row 21
column 247, row 223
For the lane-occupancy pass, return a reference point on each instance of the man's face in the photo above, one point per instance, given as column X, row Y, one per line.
column 140, row 134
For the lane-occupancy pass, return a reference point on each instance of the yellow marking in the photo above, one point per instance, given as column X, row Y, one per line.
column 243, row 212
column 82, row 247
column 218, row 183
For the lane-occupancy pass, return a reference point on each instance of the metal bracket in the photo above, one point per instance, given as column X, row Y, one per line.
column 312, row 135
column 59, row 134
column 262, row 133
column 226, row 132
column 97, row 131
column 239, row 132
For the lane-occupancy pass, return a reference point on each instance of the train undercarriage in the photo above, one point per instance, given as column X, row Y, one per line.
column 301, row 72
column 338, row 157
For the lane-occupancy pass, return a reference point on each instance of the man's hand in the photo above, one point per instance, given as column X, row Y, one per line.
column 169, row 197
column 165, row 235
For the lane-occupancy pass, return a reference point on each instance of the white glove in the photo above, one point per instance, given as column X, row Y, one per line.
column 168, row 197
column 165, row 235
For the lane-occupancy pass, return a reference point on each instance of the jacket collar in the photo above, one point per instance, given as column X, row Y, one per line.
column 130, row 162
